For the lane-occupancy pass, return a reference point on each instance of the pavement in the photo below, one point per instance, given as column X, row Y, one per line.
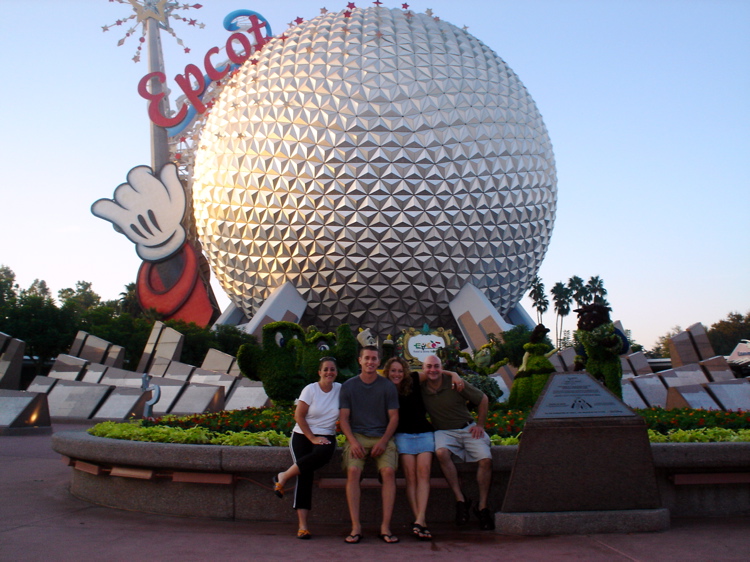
column 41, row 520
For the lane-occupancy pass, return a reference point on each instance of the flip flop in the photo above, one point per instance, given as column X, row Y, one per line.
column 421, row 532
column 354, row 539
column 278, row 489
column 304, row 534
column 388, row 539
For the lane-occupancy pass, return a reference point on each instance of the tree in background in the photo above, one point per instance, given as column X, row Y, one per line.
column 536, row 293
column 128, row 301
column 725, row 334
column 578, row 291
column 562, row 296
column 661, row 347
column 596, row 291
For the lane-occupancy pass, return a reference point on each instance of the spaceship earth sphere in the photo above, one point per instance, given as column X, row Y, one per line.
column 379, row 160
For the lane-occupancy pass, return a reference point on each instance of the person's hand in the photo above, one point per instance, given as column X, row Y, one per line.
column 356, row 450
column 320, row 441
column 149, row 211
column 476, row 431
column 378, row 449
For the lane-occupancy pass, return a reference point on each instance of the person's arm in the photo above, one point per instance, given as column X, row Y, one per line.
column 477, row 431
column 300, row 416
column 380, row 446
column 357, row 450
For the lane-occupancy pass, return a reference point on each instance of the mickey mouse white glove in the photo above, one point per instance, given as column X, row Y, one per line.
column 149, row 211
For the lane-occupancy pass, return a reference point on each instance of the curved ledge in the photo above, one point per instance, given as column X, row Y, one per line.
column 234, row 482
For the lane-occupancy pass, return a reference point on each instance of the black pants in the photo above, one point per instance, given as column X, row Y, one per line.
column 308, row 458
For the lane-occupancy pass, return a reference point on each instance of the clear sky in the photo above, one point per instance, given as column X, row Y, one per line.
column 647, row 104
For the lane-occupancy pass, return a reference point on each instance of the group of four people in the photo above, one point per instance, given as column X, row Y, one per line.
column 384, row 418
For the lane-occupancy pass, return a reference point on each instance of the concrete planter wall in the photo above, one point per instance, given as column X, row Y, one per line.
column 234, row 482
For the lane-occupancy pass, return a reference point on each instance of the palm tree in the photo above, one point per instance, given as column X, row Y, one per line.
column 536, row 293
column 578, row 290
column 561, row 297
column 129, row 301
column 597, row 291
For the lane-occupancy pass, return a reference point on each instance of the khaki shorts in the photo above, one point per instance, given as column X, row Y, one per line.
column 389, row 458
column 462, row 444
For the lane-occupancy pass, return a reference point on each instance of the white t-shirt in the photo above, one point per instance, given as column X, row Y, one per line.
column 323, row 409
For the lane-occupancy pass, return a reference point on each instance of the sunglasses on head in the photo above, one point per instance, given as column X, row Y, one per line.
column 324, row 359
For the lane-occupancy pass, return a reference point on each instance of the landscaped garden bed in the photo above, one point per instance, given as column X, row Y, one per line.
column 273, row 426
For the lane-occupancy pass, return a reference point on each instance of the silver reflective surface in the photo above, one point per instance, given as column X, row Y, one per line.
column 379, row 162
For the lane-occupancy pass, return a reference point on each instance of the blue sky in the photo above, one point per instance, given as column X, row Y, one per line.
column 646, row 103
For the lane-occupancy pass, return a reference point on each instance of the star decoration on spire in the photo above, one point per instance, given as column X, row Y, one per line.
column 160, row 11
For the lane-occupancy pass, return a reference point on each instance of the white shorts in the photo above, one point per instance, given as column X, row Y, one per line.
column 461, row 443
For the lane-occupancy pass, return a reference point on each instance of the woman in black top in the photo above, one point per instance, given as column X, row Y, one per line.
column 414, row 439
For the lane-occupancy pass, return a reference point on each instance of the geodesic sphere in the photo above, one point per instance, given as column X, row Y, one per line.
column 379, row 162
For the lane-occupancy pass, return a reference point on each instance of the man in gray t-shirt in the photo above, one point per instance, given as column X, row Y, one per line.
column 368, row 418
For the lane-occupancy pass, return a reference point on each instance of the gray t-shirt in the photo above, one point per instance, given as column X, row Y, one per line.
column 369, row 404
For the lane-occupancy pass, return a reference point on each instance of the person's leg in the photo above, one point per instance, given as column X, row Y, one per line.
column 353, row 491
column 484, row 478
column 423, row 469
column 409, row 468
column 450, row 473
column 302, row 519
column 388, row 490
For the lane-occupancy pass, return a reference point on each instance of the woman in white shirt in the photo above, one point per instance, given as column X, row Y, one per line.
column 313, row 439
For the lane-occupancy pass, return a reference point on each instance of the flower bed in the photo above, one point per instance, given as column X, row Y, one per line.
column 273, row 426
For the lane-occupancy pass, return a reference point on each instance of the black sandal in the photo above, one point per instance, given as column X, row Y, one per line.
column 421, row 532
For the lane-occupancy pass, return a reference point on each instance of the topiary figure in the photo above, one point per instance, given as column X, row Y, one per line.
column 275, row 363
column 534, row 371
column 480, row 360
column 342, row 346
column 602, row 346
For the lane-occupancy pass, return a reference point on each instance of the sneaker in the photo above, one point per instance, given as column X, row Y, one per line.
column 462, row 512
column 486, row 519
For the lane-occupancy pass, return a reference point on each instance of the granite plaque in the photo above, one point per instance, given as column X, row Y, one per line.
column 94, row 349
column 170, row 344
column 121, row 377
column 681, row 350
column 687, row 374
column 690, row 396
column 11, row 362
column 203, row 376
column 199, row 399
column 147, row 357
column 218, row 361
column 578, row 395
column 700, row 341
column 159, row 366
column 77, row 344
column 115, row 356
column 652, row 389
column 627, row 370
column 42, row 384
column 247, row 394
column 170, row 391
column 75, row 399
column 94, row 373
column 122, row 404
column 731, row 395
column 639, row 363
column 557, row 363
column 20, row 409
column 717, row 369
column 631, row 397
column 579, row 462
column 568, row 356
column 235, row 371
column 67, row 367
column 179, row 371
